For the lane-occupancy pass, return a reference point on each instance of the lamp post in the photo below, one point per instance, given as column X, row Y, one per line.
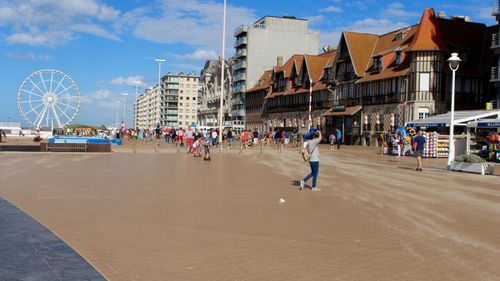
column 124, row 106
column 222, row 72
column 310, row 103
column 454, row 62
column 159, row 83
column 136, row 106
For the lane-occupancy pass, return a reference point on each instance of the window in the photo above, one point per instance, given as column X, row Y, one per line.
column 398, row 36
column 181, row 98
column 187, row 98
column 423, row 112
column 180, row 110
column 180, row 104
column 399, row 57
column 194, row 98
column 193, row 117
column 377, row 64
column 424, row 84
column 193, row 111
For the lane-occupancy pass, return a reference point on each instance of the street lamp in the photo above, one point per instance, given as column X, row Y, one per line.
column 310, row 103
column 124, row 106
column 454, row 62
column 159, row 82
column 222, row 72
column 136, row 106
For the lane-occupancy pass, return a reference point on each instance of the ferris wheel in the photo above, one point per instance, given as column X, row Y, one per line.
column 48, row 98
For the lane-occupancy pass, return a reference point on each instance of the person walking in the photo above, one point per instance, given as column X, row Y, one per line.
column 338, row 135
column 332, row 141
column 312, row 147
column 419, row 141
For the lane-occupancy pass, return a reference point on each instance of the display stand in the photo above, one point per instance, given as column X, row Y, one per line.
column 443, row 146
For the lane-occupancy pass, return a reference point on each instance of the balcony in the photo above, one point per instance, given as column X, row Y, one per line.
column 241, row 53
column 237, row 101
column 495, row 77
column 240, row 41
column 238, row 112
column 495, row 41
column 240, row 29
column 241, row 64
column 240, row 77
column 496, row 8
column 239, row 89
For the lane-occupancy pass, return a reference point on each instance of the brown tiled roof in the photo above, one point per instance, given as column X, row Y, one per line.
column 358, row 45
column 315, row 66
column 287, row 66
column 263, row 83
column 428, row 36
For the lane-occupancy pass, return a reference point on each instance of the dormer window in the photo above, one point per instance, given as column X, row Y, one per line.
column 399, row 57
column 398, row 36
column 377, row 64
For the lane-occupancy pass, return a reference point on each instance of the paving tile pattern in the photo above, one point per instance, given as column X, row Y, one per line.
column 30, row 252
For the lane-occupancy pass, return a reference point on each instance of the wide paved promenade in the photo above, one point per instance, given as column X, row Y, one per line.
column 168, row 216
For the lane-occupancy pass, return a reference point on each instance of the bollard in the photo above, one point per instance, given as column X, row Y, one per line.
column 261, row 147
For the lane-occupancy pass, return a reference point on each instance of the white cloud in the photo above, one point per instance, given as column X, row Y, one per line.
column 191, row 22
column 95, row 30
column 331, row 9
column 316, row 20
column 55, row 22
column 396, row 10
column 375, row 26
column 128, row 80
column 28, row 56
column 199, row 54
column 102, row 99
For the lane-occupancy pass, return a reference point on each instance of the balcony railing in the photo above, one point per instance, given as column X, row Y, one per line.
column 495, row 42
column 241, row 64
column 494, row 75
column 240, row 41
column 240, row 29
column 240, row 77
column 241, row 53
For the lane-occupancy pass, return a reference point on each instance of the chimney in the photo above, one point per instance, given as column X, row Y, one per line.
column 441, row 15
column 279, row 61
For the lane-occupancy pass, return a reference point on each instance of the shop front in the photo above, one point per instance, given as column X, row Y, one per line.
column 347, row 120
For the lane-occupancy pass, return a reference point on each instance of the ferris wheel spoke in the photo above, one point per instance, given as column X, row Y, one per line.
column 51, row 81
column 59, row 84
column 64, row 113
column 67, row 105
column 68, row 97
column 34, row 109
column 43, row 81
column 56, row 116
column 32, row 93
column 39, row 119
column 30, row 101
column 36, row 86
column 65, row 89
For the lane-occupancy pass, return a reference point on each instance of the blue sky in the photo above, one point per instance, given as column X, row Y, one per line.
column 105, row 45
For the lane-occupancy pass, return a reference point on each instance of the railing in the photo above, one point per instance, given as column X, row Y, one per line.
column 241, row 64
column 238, row 89
column 240, row 77
column 238, row 112
column 494, row 74
column 495, row 42
column 66, row 147
column 496, row 7
column 241, row 53
column 240, row 41
column 240, row 29
column 237, row 101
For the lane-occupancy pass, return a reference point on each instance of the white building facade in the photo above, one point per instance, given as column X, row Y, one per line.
column 174, row 105
column 257, row 47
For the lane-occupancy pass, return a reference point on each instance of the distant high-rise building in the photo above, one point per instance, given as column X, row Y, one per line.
column 258, row 46
column 495, row 44
column 175, row 106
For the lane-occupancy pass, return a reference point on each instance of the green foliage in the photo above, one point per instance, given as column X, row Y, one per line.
column 473, row 158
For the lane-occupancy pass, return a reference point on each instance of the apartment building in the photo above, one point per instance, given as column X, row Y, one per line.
column 173, row 103
column 258, row 45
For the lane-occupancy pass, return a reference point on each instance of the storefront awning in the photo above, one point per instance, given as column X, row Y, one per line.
column 461, row 118
column 485, row 123
column 348, row 111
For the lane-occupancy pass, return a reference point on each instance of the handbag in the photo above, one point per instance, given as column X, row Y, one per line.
column 306, row 155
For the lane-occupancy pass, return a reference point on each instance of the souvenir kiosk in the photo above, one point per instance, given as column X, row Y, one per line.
column 437, row 128
column 483, row 138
